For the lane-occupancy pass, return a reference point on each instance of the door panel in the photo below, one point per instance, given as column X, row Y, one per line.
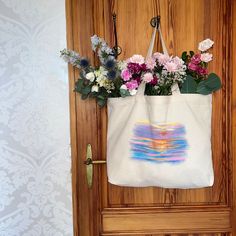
column 111, row 210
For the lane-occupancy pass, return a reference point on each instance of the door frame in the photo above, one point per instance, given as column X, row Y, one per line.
column 71, row 6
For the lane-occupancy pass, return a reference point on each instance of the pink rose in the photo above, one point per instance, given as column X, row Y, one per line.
column 136, row 59
column 171, row 66
column 192, row 66
column 148, row 77
column 126, row 75
column 196, row 59
column 206, row 57
column 150, row 63
column 202, row 71
column 133, row 84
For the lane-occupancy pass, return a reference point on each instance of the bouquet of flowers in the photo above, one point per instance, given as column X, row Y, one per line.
column 121, row 78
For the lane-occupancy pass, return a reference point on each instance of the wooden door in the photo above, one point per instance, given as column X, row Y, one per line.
column 106, row 209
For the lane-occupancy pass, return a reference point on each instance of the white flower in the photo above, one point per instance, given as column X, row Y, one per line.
column 95, row 88
column 121, row 65
column 101, row 80
column 206, row 57
column 90, row 76
column 133, row 92
column 205, row 45
column 123, row 87
column 136, row 59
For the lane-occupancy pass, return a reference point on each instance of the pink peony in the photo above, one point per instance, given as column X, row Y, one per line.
column 192, row 66
column 150, row 63
column 162, row 58
column 148, row 77
column 206, row 57
column 133, row 84
column 136, row 59
column 126, row 75
column 171, row 66
column 196, row 59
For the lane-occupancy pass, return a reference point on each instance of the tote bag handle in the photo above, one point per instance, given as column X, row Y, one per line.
column 175, row 88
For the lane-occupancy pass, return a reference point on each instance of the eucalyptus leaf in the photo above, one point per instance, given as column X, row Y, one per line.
column 101, row 102
column 85, row 90
column 79, row 85
column 209, row 85
column 124, row 93
column 189, row 85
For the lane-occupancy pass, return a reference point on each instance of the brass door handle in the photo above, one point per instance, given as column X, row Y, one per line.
column 89, row 165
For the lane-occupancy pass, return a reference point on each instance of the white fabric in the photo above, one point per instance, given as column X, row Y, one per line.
column 177, row 129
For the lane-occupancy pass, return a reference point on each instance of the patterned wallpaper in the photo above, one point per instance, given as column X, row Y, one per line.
column 35, row 181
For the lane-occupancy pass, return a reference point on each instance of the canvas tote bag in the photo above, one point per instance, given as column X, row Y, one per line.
column 160, row 141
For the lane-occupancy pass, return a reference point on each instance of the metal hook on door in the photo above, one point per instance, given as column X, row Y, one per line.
column 116, row 49
column 89, row 162
column 155, row 21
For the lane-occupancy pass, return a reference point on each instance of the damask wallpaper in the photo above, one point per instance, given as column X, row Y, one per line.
column 35, row 180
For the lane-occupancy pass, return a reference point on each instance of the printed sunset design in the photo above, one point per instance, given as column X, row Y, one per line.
column 159, row 143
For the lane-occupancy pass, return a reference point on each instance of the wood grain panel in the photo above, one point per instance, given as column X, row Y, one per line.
column 168, row 222
column 87, row 215
column 232, row 135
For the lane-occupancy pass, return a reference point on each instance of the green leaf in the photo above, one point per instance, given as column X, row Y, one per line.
column 85, row 90
column 209, row 85
column 191, row 53
column 101, row 102
column 79, row 85
column 124, row 93
column 184, row 55
column 189, row 85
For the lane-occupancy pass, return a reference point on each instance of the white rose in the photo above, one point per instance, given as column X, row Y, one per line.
column 205, row 45
column 123, row 87
column 95, row 88
column 206, row 57
column 90, row 76
column 133, row 92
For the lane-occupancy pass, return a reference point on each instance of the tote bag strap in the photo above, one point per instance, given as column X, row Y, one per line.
column 141, row 89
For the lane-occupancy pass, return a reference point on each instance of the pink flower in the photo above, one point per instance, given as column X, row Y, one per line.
column 196, row 59
column 192, row 66
column 179, row 62
column 147, row 77
column 162, row 58
column 150, row 63
column 136, row 59
column 133, row 84
column 206, row 57
column 126, row 75
column 171, row 66
column 202, row 71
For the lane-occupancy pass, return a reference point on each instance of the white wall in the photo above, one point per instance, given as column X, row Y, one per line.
column 35, row 181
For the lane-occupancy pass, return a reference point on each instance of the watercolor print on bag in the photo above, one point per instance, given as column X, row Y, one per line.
column 159, row 143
